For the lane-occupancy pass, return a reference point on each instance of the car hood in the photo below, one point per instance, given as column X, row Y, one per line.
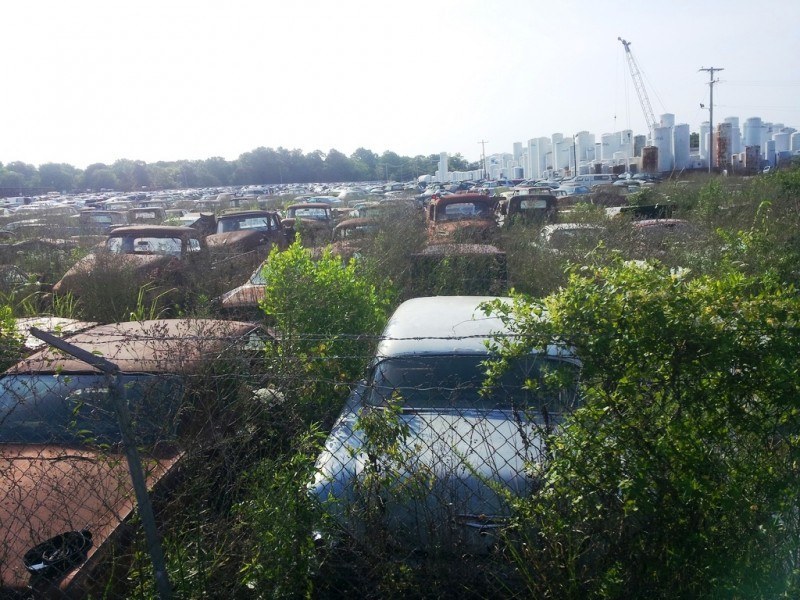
column 459, row 467
column 49, row 490
column 140, row 262
column 231, row 238
column 244, row 296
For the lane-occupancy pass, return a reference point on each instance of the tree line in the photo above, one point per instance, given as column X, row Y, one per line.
column 259, row 166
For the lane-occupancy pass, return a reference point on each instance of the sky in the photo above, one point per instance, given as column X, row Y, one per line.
column 91, row 81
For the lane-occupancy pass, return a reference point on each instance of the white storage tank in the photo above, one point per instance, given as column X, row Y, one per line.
column 769, row 152
column 680, row 146
column 608, row 146
column 532, row 165
column 662, row 139
column 667, row 120
column 705, row 130
column 782, row 142
column 795, row 141
column 752, row 132
column 736, row 134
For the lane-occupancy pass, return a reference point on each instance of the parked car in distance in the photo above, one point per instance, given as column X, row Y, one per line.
column 313, row 219
column 147, row 215
column 149, row 249
column 563, row 238
column 60, row 448
column 245, row 231
column 461, row 218
column 527, row 209
column 92, row 222
column 461, row 442
column 350, row 235
column 243, row 301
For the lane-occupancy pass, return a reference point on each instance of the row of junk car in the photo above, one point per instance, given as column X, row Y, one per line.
column 67, row 493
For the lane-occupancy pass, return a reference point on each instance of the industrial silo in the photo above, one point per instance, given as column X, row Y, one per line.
column 705, row 130
column 782, row 141
column 736, row 134
column 666, row 120
column 752, row 132
column 639, row 142
column 608, row 145
column 752, row 159
column 532, row 167
column 722, row 145
column 795, row 142
column 680, row 146
column 662, row 139
column 769, row 152
column 650, row 159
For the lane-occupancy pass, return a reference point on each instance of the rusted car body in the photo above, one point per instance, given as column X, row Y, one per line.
column 442, row 269
column 350, row 235
column 313, row 220
column 461, row 218
column 60, row 453
column 152, row 251
column 530, row 209
column 246, row 231
column 243, row 301
column 93, row 222
column 147, row 215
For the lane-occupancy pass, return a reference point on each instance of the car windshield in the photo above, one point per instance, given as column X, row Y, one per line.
column 319, row 214
column 260, row 223
column 456, row 382
column 259, row 276
column 464, row 210
column 144, row 245
column 76, row 410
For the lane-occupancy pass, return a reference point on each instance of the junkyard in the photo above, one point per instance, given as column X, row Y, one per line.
column 355, row 389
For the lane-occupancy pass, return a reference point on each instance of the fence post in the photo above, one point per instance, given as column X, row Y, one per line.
column 131, row 453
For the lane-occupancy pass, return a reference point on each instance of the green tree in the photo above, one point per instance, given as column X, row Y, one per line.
column 60, row 177
column 328, row 314
column 678, row 477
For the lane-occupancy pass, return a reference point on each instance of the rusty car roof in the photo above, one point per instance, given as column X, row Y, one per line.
column 155, row 231
column 155, row 346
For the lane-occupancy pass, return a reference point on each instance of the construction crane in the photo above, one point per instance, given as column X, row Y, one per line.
column 636, row 75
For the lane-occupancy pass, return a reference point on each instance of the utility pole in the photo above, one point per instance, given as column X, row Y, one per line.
column 711, row 83
column 483, row 156
column 574, row 156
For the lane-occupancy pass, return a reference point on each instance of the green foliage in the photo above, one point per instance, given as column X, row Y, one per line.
column 328, row 315
column 10, row 340
column 678, row 477
column 278, row 520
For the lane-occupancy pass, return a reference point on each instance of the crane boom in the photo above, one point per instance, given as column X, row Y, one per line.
column 636, row 75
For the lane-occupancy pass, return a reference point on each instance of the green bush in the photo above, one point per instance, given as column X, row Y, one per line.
column 678, row 477
column 327, row 314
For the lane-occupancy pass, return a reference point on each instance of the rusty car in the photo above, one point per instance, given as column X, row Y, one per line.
column 461, row 218
column 64, row 470
column 313, row 220
column 529, row 209
column 245, row 231
column 162, row 252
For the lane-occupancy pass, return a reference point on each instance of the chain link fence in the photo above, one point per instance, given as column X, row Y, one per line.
column 260, row 484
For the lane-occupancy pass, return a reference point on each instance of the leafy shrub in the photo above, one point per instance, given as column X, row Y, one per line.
column 678, row 477
column 327, row 314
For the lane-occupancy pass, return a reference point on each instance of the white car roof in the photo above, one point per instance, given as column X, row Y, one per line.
column 439, row 325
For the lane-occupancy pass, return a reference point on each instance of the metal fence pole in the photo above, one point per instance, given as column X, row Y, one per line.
column 132, row 454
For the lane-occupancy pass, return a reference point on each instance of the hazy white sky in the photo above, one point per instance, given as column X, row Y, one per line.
column 92, row 81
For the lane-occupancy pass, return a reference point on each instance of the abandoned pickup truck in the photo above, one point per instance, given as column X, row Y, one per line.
column 313, row 220
column 528, row 209
column 246, row 231
column 461, row 218
column 151, row 252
